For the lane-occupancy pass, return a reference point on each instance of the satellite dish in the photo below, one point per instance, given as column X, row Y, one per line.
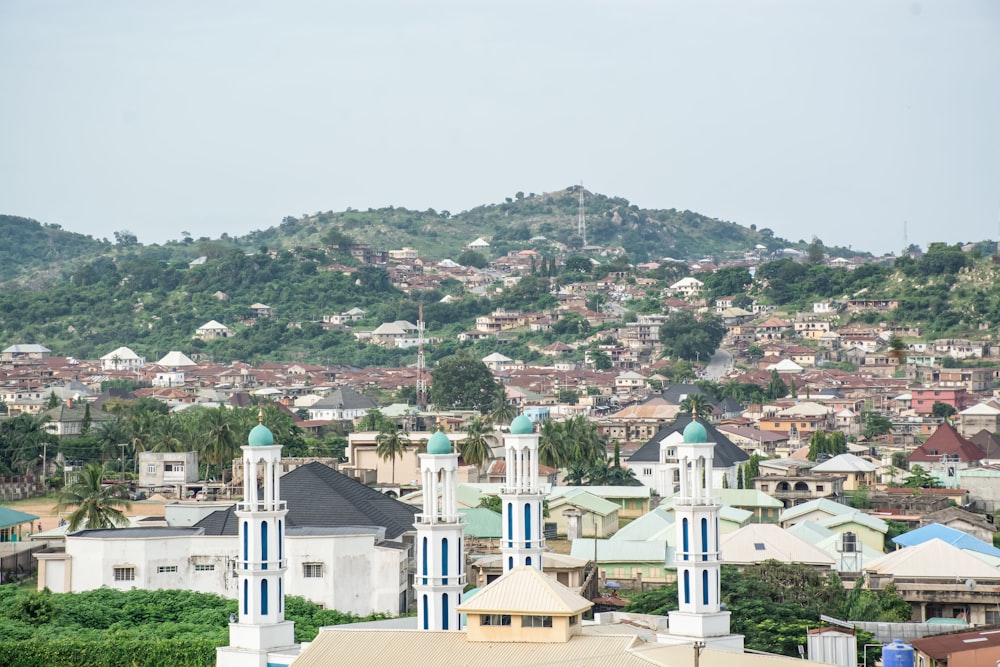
column 970, row 584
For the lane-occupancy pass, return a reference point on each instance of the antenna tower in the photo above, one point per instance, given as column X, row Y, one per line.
column 906, row 241
column 581, row 221
column 421, row 362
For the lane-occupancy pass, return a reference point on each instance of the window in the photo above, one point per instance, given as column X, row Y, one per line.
column 494, row 619
column 573, row 620
column 124, row 574
column 992, row 617
column 648, row 472
column 166, row 569
column 173, row 467
column 759, row 546
column 536, row 621
column 819, row 487
column 151, row 468
column 204, row 567
column 312, row 570
column 763, row 487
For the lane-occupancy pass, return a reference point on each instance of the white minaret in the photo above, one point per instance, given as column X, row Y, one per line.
column 440, row 577
column 521, row 497
column 260, row 565
column 696, row 515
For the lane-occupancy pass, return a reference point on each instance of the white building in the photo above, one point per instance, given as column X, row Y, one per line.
column 347, row 547
column 122, row 359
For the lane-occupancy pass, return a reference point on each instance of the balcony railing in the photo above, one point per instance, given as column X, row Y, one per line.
column 259, row 506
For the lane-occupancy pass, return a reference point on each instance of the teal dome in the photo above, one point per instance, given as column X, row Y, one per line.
column 521, row 426
column 260, row 436
column 439, row 444
column 695, row 432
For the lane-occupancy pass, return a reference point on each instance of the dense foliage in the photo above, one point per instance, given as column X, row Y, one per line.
column 773, row 603
column 137, row 627
column 30, row 246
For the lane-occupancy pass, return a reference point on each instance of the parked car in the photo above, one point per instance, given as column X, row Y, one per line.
column 137, row 495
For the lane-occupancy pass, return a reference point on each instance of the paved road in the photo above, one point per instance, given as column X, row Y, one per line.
column 718, row 365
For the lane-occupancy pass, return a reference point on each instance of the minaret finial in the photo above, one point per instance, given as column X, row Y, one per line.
column 260, row 413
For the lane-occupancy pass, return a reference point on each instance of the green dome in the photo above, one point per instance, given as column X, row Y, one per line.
column 439, row 444
column 521, row 426
column 260, row 436
column 695, row 432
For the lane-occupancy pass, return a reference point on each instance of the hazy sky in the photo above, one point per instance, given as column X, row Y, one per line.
column 837, row 119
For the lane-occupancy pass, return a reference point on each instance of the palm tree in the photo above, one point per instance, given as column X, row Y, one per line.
column 502, row 411
column 391, row 443
column 27, row 433
column 697, row 404
column 98, row 505
column 477, row 448
column 218, row 437
column 551, row 445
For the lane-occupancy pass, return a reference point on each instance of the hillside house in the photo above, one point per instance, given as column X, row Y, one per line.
column 212, row 330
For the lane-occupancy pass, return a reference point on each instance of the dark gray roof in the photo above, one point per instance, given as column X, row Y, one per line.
column 726, row 454
column 320, row 497
column 344, row 398
column 676, row 393
column 150, row 531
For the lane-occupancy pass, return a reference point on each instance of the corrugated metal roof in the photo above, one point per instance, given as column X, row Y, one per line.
column 586, row 501
column 934, row 559
column 945, row 534
column 622, row 552
column 482, row 522
column 364, row 648
column 526, row 590
column 759, row 542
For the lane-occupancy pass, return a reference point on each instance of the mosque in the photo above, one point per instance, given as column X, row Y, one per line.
column 522, row 618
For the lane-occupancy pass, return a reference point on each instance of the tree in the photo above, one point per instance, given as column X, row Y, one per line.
column 477, row 447
column 739, row 477
column 374, row 420
column 697, row 405
column 687, row 336
column 462, row 381
column 600, row 359
column 502, row 411
column 897, row 349
column 218, row 437
column 815, row 253
column 919, row 478
column 876, row 424
column 390, row 444
column 776, row 387
column 942, row 410
column 97, row 505
column 473, row 259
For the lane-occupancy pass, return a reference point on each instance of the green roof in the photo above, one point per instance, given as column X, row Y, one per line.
column 483, row 523
column 9, row 517
column 586, row 501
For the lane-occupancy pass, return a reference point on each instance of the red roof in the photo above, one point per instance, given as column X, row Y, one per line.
column 946, row 441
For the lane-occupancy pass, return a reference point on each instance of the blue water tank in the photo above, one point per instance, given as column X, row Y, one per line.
column 897, row 654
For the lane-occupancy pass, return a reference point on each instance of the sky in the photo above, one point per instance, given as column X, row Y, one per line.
column 858, row 122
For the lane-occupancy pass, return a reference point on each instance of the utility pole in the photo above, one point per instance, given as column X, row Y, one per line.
column 123, row 446
column 44, row 463
column 421, row 361
column 698, row 648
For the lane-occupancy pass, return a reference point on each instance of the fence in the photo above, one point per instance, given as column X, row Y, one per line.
column 19, row 564
column 19, row 488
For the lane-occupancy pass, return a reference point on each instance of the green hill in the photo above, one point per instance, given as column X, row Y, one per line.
column 31, row 248
column 534, row 220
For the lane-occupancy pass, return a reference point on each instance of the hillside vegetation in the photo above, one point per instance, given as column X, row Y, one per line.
column 532, row 220
column 29, row 247
column 36, row 253
column 154, row 305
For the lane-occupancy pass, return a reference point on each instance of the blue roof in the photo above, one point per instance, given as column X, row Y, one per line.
column 953, row 537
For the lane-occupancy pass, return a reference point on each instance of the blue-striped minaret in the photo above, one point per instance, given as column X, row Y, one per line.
column 260, row 565
column 696, row 515
column 440, row 576
column 521, row 499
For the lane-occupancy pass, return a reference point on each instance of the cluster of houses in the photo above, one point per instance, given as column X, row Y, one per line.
column 833, row 513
